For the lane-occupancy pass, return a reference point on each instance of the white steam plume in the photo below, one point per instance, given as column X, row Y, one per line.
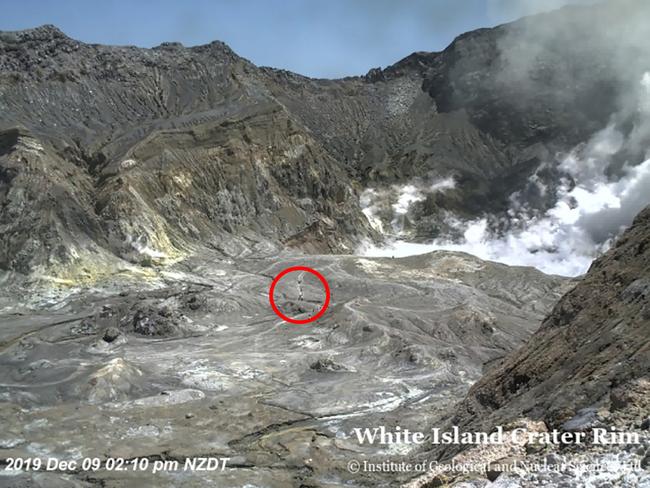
column 391, row 205
column 592, row 208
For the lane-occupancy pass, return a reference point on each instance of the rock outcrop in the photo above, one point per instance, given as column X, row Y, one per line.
column 591, row 351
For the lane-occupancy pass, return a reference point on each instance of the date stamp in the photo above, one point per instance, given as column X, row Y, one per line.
column 20, row 464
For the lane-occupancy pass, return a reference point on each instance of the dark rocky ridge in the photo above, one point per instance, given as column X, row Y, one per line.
column 144, row 154
column 590, row 351
column 587, row 366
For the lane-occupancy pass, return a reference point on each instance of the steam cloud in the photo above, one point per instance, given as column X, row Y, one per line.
column 593, row 206
column 604, row 182
column 393, row 203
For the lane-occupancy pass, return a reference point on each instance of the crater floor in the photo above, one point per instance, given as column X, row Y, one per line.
column 192, row 362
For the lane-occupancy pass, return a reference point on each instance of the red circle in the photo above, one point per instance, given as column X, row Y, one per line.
column 291, row 270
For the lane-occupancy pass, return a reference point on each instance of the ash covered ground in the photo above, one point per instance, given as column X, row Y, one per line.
column 191, row 361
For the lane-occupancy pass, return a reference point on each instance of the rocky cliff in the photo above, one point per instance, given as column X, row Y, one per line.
column 590, row 351
column 586, row 367
column 121, row 153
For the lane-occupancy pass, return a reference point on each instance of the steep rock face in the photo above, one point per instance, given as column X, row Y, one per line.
column 144, row 154
column 488, row 110
column 387, row 130
column 140, row 139
column 555, row 78
column 237, row 177
column 595, row 341
column 170, row 192
column 47, row 215
column 93, row 95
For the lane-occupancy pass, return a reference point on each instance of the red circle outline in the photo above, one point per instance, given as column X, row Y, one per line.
column 291, row 270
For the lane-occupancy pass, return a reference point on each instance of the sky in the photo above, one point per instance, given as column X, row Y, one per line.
column 318, row 38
